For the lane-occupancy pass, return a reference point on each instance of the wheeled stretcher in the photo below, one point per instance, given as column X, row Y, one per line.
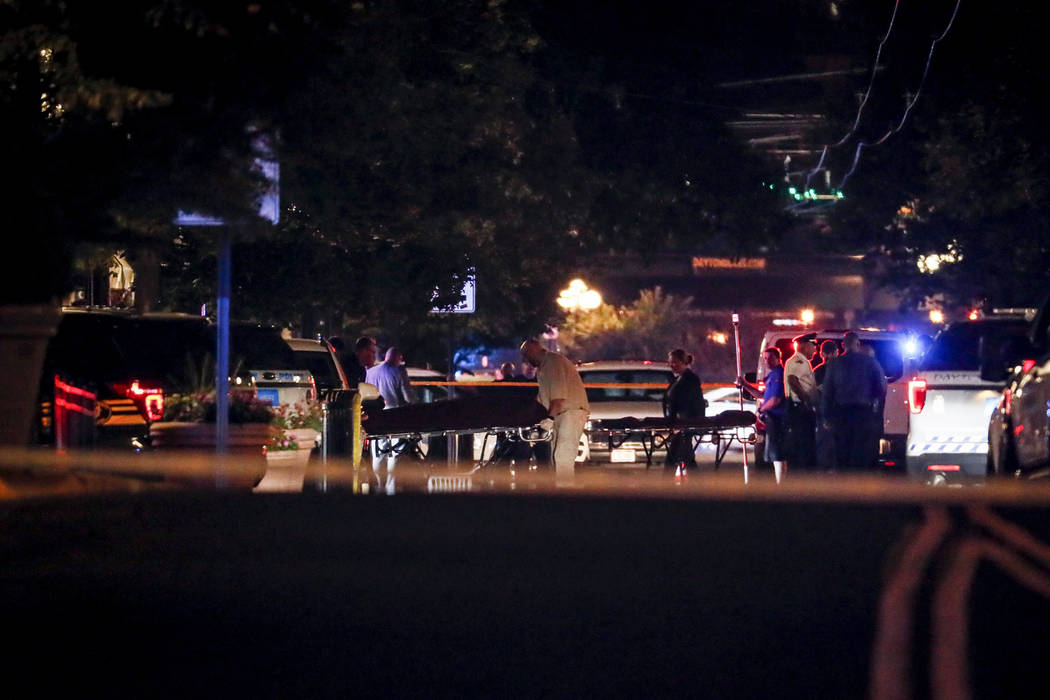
column 655, row 433
column 397, row 430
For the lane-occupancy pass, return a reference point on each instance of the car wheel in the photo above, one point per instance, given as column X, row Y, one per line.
column 1007, row 458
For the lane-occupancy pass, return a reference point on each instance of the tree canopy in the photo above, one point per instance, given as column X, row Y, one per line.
column 957, row 201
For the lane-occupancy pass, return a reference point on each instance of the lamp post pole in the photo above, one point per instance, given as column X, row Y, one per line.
column 736, row 338
column 222, row 358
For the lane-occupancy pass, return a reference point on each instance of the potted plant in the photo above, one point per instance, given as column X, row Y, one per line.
column 296, row 429
column 188, row 423
column 302, row 421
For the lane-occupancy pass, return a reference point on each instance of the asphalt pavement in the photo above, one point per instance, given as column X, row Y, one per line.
column 627, row 585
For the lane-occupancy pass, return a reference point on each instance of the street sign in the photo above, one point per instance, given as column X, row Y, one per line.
column 466, row 306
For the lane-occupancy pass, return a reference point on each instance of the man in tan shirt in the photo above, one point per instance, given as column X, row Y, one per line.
column 562, row 393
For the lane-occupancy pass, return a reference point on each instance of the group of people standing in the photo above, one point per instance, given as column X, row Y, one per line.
column 822, row 411
column 559, row 389
column 391, row 378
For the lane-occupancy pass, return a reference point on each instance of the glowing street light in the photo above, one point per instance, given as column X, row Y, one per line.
column 579, row 297
column 807, row 316
column 936, row 316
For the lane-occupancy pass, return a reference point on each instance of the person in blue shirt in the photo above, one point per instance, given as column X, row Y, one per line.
column 771, row 411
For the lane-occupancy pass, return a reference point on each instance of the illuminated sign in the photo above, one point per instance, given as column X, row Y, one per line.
column 701, row 263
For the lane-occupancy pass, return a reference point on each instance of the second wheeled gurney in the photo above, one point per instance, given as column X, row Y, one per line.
column 721, row 431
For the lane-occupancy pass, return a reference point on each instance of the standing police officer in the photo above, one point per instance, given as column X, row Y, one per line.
column 854, row 388
column 800, row 389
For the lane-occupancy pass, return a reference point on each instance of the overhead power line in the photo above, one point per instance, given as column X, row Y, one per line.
column 911, row 102
column 863, row 102
column 793, row 77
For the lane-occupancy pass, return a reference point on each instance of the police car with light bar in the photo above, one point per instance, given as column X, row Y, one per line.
column 950, row 404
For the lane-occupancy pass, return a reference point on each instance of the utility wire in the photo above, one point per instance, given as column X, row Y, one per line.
column 863, row 102
column 911, row 102
column 871, row 83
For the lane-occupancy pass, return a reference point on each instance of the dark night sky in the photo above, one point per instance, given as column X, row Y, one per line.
column 664, row 54
column 673, row 56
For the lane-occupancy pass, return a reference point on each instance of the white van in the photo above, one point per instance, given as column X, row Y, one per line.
column 891, row 350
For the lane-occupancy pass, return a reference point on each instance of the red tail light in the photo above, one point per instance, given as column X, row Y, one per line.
column 916, row 395
column 1027, row 366
column 150, row 401
column 944, row 468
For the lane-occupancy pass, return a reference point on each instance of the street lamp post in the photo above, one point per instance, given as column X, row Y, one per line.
column 577, row 297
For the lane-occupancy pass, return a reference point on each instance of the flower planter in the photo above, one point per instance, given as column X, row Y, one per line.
column 286, row 469
column 306, row 437
column 244, row 446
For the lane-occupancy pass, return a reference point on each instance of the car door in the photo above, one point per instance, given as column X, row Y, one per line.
column 1031, row 415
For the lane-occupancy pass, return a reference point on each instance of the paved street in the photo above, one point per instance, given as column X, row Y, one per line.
column 769, row 593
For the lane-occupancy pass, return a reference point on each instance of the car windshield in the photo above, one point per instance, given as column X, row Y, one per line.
column 960, row 346
column 643, row 376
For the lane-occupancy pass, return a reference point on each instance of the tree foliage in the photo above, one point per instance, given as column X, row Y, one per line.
column 966, row 184
column 649, row 328
column 420, row 142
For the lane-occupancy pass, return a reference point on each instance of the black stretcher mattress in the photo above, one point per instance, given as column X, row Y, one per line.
column 725, row 419
column 470, row 414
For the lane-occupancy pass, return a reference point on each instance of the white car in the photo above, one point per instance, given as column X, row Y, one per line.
column 421, row 379
column 950, row 405
column 726, row 398
column 320, row 359
column 312, row 371
column 645, row 401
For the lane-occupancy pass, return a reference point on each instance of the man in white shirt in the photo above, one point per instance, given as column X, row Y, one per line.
column 800, row 388
column 562, row 393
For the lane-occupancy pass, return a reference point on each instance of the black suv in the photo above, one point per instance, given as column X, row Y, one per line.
column 106, row 372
